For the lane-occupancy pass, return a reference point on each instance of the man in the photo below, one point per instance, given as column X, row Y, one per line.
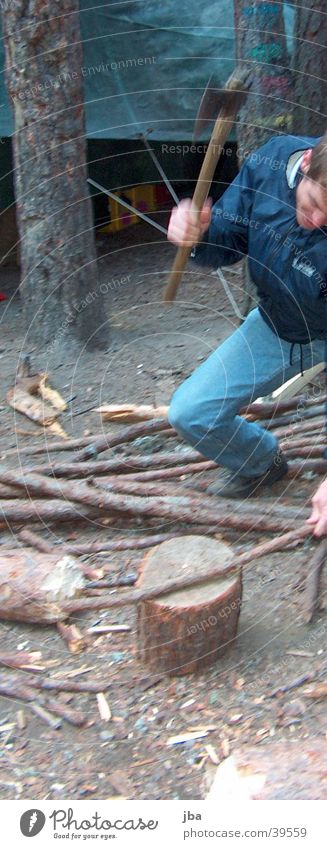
column 275, row 212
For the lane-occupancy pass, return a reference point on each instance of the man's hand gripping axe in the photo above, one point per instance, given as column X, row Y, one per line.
column 230, row 99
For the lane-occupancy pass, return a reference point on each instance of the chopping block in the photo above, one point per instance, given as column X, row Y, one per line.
column 184, row 631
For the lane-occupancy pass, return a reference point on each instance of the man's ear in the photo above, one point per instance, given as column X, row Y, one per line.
column 305, row 164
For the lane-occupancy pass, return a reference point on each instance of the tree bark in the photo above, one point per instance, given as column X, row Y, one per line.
column 261, row 46
column 310, row 68
column 62, row 300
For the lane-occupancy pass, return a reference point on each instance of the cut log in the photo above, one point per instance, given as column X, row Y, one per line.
column 34, row 586
column 184, row 631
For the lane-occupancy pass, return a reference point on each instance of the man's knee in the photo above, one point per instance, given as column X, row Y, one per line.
column 179, row 414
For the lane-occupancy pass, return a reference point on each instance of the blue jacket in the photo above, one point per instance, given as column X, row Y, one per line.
column 288, row 264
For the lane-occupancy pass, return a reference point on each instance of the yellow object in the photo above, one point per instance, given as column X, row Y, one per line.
column 141, row 197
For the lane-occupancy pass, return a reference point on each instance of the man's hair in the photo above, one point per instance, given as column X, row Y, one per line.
column 317, row 170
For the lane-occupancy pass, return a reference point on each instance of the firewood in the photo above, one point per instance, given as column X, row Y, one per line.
column 13, row 511
column 193, row 468
column 47, row 717
column 312, row 440
column 126, row 435
column 312, row 586
column 296, row 469
column 43, row 611
column 265, row 410
column 31, row 538
column 179, row 509
column 297, row 682
column 289, row 516
column 131, row 412
column 73, row 637
column 53, row 445
column 310, row 451
column 9, row 492
column 187, row 630
column 12, row 690
column 40, row 544
column 302, row 415
column 290, row 539
column 69, row 714
column 23, row 660
column 134, row 542
column 119, row 464
column 300, row 427
column 33, row 586
column 31, row 406
column 66, row 686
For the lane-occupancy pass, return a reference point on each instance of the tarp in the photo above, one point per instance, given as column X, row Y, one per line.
column 145, row 65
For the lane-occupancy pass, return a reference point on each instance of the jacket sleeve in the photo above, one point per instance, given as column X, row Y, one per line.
column 226, row 241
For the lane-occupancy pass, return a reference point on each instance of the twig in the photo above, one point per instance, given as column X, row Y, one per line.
column 136, row 542
column 126, row 435
column 66, row 686
column 31, row 538
column 71, row 715
column 137, row 595
column 46, row 716
column 292, row 686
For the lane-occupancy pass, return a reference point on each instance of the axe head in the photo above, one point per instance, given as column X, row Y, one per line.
column 214, row 98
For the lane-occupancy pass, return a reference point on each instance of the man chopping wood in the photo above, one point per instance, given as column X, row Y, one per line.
column 275, row 213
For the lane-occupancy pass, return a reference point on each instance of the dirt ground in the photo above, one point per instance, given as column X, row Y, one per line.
column 150, row 351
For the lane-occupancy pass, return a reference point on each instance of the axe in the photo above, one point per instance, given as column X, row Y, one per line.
column 231, row 99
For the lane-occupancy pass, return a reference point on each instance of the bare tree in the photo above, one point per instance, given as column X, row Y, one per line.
column 261, row 45
column 59, row 287
column 310, row 68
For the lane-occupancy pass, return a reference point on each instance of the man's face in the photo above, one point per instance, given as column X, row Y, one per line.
column 311, row 200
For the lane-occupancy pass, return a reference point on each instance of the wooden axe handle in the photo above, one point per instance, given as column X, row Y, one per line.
column 220, row 133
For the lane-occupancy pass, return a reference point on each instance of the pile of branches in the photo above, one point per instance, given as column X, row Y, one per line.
column 145, row 486
column 163, row 486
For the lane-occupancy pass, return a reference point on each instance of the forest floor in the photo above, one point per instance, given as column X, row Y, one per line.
column 150, row 351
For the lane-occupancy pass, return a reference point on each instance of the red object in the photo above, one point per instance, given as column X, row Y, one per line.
column 3, row 297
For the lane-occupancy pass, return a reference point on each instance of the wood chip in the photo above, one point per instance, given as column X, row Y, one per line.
column 319, row 691
column 21, row 720
column 184, row 738
column 107, row 629
column 300, row 653
column 104, row 708
column 51, row 395
column 212, row 754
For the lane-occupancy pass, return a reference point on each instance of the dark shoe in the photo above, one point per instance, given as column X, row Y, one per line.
column 236, row 486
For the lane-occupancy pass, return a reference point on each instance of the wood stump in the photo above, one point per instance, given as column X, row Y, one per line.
column 184, row 631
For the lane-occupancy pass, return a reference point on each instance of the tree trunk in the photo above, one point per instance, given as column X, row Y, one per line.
column 187, row 630
column 60, row 290
column 310, row 68
column 261, row 46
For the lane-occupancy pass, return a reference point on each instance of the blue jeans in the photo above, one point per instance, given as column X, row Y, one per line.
column 252, row 362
